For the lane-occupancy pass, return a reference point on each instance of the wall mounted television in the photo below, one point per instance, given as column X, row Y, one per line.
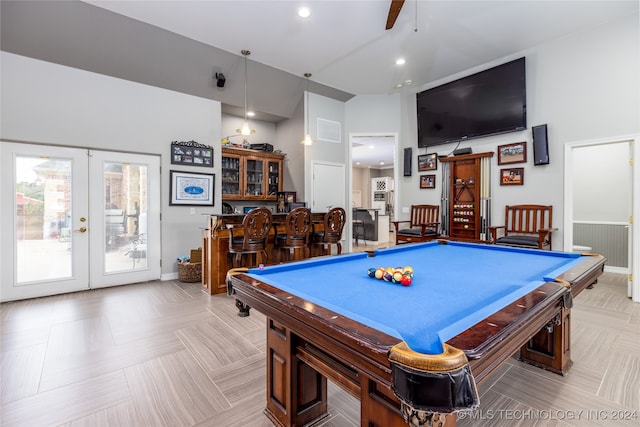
column 486, row 103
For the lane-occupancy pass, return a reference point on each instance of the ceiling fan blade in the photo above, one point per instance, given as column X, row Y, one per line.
column 394, row 11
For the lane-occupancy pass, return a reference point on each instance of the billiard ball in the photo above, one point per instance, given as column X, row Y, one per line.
column 406, row 280
column 379, row 273
column 371, row 272
column 397, row 276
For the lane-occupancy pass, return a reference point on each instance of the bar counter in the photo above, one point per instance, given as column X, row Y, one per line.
column 215, row 247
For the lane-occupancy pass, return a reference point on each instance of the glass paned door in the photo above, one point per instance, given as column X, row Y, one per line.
column 43, row 239
column 255, row 178
column 73, row 219
column 274, row 178
column 127, row 187
column 230, row 176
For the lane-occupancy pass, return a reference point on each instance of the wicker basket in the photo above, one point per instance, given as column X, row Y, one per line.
column 190, row 272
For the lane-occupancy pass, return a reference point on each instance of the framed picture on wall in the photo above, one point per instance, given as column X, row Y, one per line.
column 512, row 176
column 191, row 153
column 427, row 162
column 512, row 153
column 427, row 181
column 191, row 188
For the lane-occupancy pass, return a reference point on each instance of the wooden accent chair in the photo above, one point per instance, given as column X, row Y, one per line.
column 331, row 232
column 526, row 226
column 424, row 225
column 252, row 241
column 294, row 242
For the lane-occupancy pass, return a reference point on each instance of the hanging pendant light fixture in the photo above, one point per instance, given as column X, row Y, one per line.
column 307, row 137
column 245, row 130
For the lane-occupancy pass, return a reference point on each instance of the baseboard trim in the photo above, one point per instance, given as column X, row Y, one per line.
column 169, row 276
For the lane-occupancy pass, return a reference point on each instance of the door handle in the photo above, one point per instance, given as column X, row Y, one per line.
column 81, row 230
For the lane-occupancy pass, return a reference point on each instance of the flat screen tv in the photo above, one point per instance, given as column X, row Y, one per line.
column 486, row 103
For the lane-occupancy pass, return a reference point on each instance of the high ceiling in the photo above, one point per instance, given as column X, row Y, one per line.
column 344, row 43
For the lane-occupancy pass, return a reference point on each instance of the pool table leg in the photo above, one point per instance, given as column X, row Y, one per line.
column 296, row 393
column 550, row 348
column 243, row 309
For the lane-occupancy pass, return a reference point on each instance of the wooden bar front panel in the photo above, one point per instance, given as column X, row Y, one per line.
column 215, row 248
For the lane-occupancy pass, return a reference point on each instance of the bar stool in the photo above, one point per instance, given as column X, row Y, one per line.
column 294, row 242
column 358, row 230
column 331, row 233
column 253, row 241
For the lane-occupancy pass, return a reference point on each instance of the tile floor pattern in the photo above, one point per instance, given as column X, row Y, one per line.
column 166, row 354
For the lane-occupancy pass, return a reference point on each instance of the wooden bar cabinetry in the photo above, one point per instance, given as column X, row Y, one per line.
column 250, row 174
column 215, row 247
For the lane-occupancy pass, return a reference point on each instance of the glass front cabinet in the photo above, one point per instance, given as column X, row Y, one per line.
column 250, row 174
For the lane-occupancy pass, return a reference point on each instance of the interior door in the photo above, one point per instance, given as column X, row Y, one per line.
column 328, row 186
column 74, row 219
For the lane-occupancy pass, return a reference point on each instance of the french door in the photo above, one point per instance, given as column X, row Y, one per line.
column 75, row 219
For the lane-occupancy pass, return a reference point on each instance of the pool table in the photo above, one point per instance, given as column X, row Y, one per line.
column 468, row 309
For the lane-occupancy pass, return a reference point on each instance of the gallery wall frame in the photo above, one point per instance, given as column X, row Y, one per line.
column 190, row 153
column 427, row 181
column 512, row 176
column 427, row 162
column 191, row 188
column 512, row 153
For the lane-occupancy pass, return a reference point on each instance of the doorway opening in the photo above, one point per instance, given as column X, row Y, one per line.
column 599, row 202
column 374, row 173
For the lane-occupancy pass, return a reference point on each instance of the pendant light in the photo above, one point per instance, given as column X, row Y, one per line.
column 245, row 130
column 307, row 137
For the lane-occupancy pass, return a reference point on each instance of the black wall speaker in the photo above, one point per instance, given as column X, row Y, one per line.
column 540, row 145
column 407, row 161
column 220, row 80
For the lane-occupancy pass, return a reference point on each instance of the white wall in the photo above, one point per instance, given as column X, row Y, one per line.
column 328, row 109
column 601, row 182
column 265, row 131
column 584, row 86
column 374, row 115
column 52, row 104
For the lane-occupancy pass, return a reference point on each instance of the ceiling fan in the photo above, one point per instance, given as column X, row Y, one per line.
column 394, row 11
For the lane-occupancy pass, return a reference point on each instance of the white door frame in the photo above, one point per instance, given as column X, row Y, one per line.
column 396, row 176
column 634, row 244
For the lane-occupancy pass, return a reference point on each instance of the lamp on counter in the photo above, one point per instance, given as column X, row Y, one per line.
column 307, row 137
column 245, row 130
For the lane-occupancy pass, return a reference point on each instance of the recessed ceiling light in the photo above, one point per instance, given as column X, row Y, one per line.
column 371, row 147
column 382, row 163
column 408, row 82
column 304, row 12
column 250, row 113
column 400, row 61
column 398, row 85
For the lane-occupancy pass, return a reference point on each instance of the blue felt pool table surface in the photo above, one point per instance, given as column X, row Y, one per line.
column 455, row 285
